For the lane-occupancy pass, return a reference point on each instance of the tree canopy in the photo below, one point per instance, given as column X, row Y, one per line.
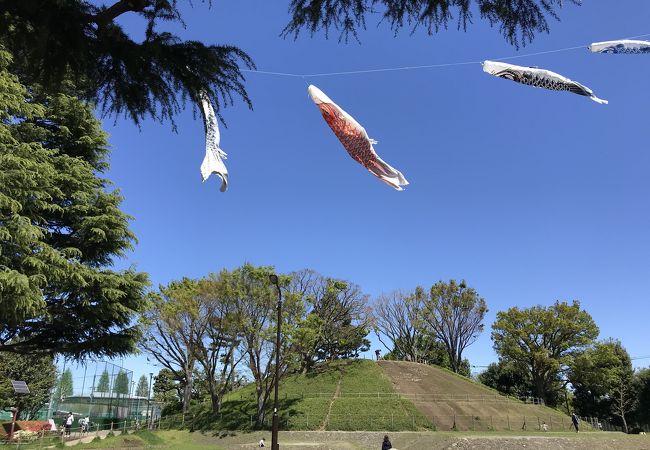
column 542, row 341
column 518, row 21
column 60, row 230
column 398, row 319
column 170, row 328
column 505, row 377
column 334, row 321
column 81, row 40
column 202, row 330
column 602, row 380
column 142, row 389
column 103, row 385
column 121, row 385
column 38, row 371
column 64, row 386
column 642, row 388
column 453, row 313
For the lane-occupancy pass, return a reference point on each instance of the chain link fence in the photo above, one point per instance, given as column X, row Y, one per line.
column 51, row 438
column 491, row 398
column 405, row 422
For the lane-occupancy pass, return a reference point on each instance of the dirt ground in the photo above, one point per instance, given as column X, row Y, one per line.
column 493, row 411
column 323, row 440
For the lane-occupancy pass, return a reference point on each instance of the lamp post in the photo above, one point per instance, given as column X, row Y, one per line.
column 149, row 414
column 275, row 445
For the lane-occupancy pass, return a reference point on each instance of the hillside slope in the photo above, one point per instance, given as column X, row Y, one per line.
column 451, row 401
column 342, row 395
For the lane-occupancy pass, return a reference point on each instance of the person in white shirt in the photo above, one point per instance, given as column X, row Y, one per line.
column 68, row 423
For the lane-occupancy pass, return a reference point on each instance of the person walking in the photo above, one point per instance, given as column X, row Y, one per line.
column 576, row 422
column 68, row 423
column 386, row 445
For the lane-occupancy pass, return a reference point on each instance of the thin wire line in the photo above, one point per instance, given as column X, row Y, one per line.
column 391, row 69
column 639, row 36
column 427, row 66
column 265, row 72
column 541, row 53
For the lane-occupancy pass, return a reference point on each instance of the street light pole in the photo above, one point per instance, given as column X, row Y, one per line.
column 149, row 401
column 275, row 445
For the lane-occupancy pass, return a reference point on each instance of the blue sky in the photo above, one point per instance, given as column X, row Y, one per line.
column 530, row 195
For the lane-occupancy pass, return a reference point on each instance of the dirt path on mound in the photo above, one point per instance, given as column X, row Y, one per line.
column 337, row 394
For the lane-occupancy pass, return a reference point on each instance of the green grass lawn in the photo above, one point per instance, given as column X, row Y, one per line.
column 363, row 376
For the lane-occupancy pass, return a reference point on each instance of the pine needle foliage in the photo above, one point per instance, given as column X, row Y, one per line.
column 60, row 230
column 55, row 40
column 517, row 20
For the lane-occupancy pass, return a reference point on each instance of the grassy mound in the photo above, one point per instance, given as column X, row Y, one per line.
column 385, row 396
column 342, row 395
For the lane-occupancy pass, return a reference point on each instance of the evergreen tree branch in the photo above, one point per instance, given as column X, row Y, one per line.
column 518, row 20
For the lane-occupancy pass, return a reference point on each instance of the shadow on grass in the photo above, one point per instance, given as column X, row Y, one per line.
column 238, row 415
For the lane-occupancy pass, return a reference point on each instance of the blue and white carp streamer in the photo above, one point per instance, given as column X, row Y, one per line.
column 623, row 46
column 540, row 78
column 214, row 156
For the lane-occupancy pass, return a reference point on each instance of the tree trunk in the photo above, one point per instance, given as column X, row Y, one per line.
column 216, row 402
column 261, row 403
column 187, row 391
column 540, row 387
column 219, row 397
column 454, row 364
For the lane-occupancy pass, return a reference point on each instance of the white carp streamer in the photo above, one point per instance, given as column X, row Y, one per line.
column 214, row 156
column 540, row 78
column 623, row 46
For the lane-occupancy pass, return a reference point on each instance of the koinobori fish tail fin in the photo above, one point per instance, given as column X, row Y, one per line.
column 212, row 163
column 388, row 174
column 599, row 100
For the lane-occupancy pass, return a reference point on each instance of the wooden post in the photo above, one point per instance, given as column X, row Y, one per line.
column 14, row 413
column 508, row 417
